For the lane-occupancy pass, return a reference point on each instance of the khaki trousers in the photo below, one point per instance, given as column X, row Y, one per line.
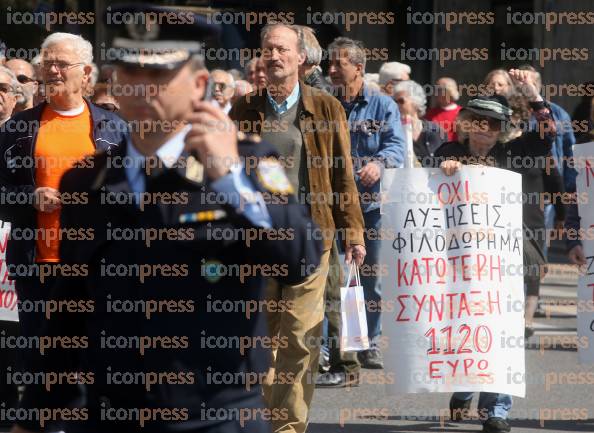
column 290, row 383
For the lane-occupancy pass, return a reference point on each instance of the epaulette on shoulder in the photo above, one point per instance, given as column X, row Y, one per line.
column 244, row 138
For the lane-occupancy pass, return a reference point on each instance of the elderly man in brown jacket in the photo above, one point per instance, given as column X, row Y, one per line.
column 310, row 131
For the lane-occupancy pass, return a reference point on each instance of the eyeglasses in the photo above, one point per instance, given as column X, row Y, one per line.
column 400, row 101
column 5, row 88
column 61, row 66
column 220, row 86
column 23, row 79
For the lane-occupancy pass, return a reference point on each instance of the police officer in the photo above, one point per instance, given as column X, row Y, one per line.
column 158, row 312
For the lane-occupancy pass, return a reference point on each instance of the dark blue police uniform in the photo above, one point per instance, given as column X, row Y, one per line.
column 162, row 313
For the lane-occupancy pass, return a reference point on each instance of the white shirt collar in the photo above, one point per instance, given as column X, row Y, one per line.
column 225, row 109
column 70, row 113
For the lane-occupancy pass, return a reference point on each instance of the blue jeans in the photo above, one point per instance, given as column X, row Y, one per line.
column 370, row 281
column 497, row 405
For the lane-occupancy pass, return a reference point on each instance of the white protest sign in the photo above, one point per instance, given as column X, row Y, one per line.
column 8, row 297
column 453, row 293
column 584, row 159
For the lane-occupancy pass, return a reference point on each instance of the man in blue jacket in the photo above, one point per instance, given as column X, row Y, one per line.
column 377, row 142
column 36, row 147
column 562, row 149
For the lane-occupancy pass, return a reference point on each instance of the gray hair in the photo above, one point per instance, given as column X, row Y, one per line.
column 236, row 74
column 221, row 71
column 313, row 50
column 371, row 78
column 355, row 49
column 94, row 76
column 248, row 65
column 297, row 29
column 14, row 84
column 392, row 71
column 415, row 92
column 23, row 95
column 83, row 48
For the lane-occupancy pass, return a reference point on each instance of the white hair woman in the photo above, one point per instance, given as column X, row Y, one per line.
column 427, row 135
column 391, row 73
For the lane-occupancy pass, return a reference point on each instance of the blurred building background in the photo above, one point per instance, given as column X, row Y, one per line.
column 393, row 38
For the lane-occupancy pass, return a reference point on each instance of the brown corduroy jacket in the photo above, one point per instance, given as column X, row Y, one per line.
column 323, row 124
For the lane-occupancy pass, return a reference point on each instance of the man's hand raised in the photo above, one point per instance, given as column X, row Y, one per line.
column 213, row 139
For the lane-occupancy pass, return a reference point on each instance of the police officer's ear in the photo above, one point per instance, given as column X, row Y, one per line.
column 200, row 79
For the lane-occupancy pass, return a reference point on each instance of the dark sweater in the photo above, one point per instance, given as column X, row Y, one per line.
column 429, row 140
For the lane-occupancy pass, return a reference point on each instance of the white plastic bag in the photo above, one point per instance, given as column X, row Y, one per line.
column 353, row 329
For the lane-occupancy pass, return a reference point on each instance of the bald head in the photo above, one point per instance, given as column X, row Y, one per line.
column 21, row 67
column 25, row 73
column 447, row 91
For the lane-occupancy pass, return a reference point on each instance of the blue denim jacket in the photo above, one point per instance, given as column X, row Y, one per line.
column 562, row 147
column 376, row 135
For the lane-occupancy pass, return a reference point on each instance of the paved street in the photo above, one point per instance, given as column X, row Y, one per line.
column 561, row 408
column 367, row 409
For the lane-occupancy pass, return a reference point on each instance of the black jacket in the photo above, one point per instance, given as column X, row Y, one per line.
column 317, row 80
column 429, row 140
column 18, row 137
column 206, row 272
column 572, row 219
